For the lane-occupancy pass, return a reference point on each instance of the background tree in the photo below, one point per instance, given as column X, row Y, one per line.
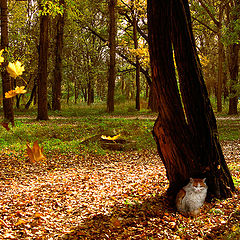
column 6, row 81
column 232, row 42
column 42, row 67
column 57, row 81
column 112, row 61
column 85, row 58
column 185, row 130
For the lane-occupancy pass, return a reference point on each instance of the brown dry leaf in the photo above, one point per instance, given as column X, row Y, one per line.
column 5, row 125
column 116, row 223
column 36, row 153
column 20, row 222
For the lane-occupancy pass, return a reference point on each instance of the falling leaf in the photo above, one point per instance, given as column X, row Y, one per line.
column 35, row 154
column 10, row 94
column 110, row 138
column 1, row 58
column 16, row 91
column 5, row 125
column 15, row 69
column 20, row 90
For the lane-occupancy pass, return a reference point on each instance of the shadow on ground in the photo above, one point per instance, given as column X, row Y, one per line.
column 127, row 221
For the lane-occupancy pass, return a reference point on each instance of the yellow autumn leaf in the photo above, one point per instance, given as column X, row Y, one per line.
column 10, row 94
column 35, row 153
column 15, row 69
column 16, row 91
column 20, row 90
column 234, row 228
column 110, row 138
column 1, row 58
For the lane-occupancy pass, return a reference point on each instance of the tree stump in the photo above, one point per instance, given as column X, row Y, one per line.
column 119, row 144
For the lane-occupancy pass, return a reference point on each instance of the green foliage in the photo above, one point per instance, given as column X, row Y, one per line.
column 231, row 33
column 51, row 7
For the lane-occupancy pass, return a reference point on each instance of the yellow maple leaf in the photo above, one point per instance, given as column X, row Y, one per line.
column 16, row 91
column 1, row 58
column 10, row 94
column 110, row 138
column 15, row 69
column 20, row 90
column 36, row 153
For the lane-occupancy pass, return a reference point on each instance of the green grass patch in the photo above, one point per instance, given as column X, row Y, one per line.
column 76, row 123
column 66, row 135
column 229, row 129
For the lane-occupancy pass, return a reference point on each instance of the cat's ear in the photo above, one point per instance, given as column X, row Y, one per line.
column 204, row 180
column 191, row 180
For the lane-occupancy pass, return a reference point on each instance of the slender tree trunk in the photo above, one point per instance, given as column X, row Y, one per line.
column 186, row 136
column 42, row 68
column 75, row 91
column 68, row 93
column 233, row 70
column 220, row 73
column 32, row 96
column 112, row 45
column 220, row 60
column 56, row 87
column 90, row 93
column 135, row 39
column 233, row 64
column 6, row 80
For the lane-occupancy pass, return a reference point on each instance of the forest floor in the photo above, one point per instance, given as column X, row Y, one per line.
column 112, row 196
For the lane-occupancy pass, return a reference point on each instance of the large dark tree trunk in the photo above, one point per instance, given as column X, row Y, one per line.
column 56, row 87
column 112, row 46
column 152, row 100
column 185, row 130
column 6, row 81
column 42, row 68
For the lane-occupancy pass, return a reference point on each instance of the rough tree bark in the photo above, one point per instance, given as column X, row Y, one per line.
column 42, row 68
column 220, row 71
column 112, row 45
column 135, row 40
column 233, row 64
column 185, row 130
column 233, row 70
column 56, row 87
column 6, row 81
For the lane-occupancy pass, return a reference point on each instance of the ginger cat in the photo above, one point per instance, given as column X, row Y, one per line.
column 190, row 198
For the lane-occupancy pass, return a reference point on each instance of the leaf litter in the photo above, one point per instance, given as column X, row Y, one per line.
column 115, row 196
